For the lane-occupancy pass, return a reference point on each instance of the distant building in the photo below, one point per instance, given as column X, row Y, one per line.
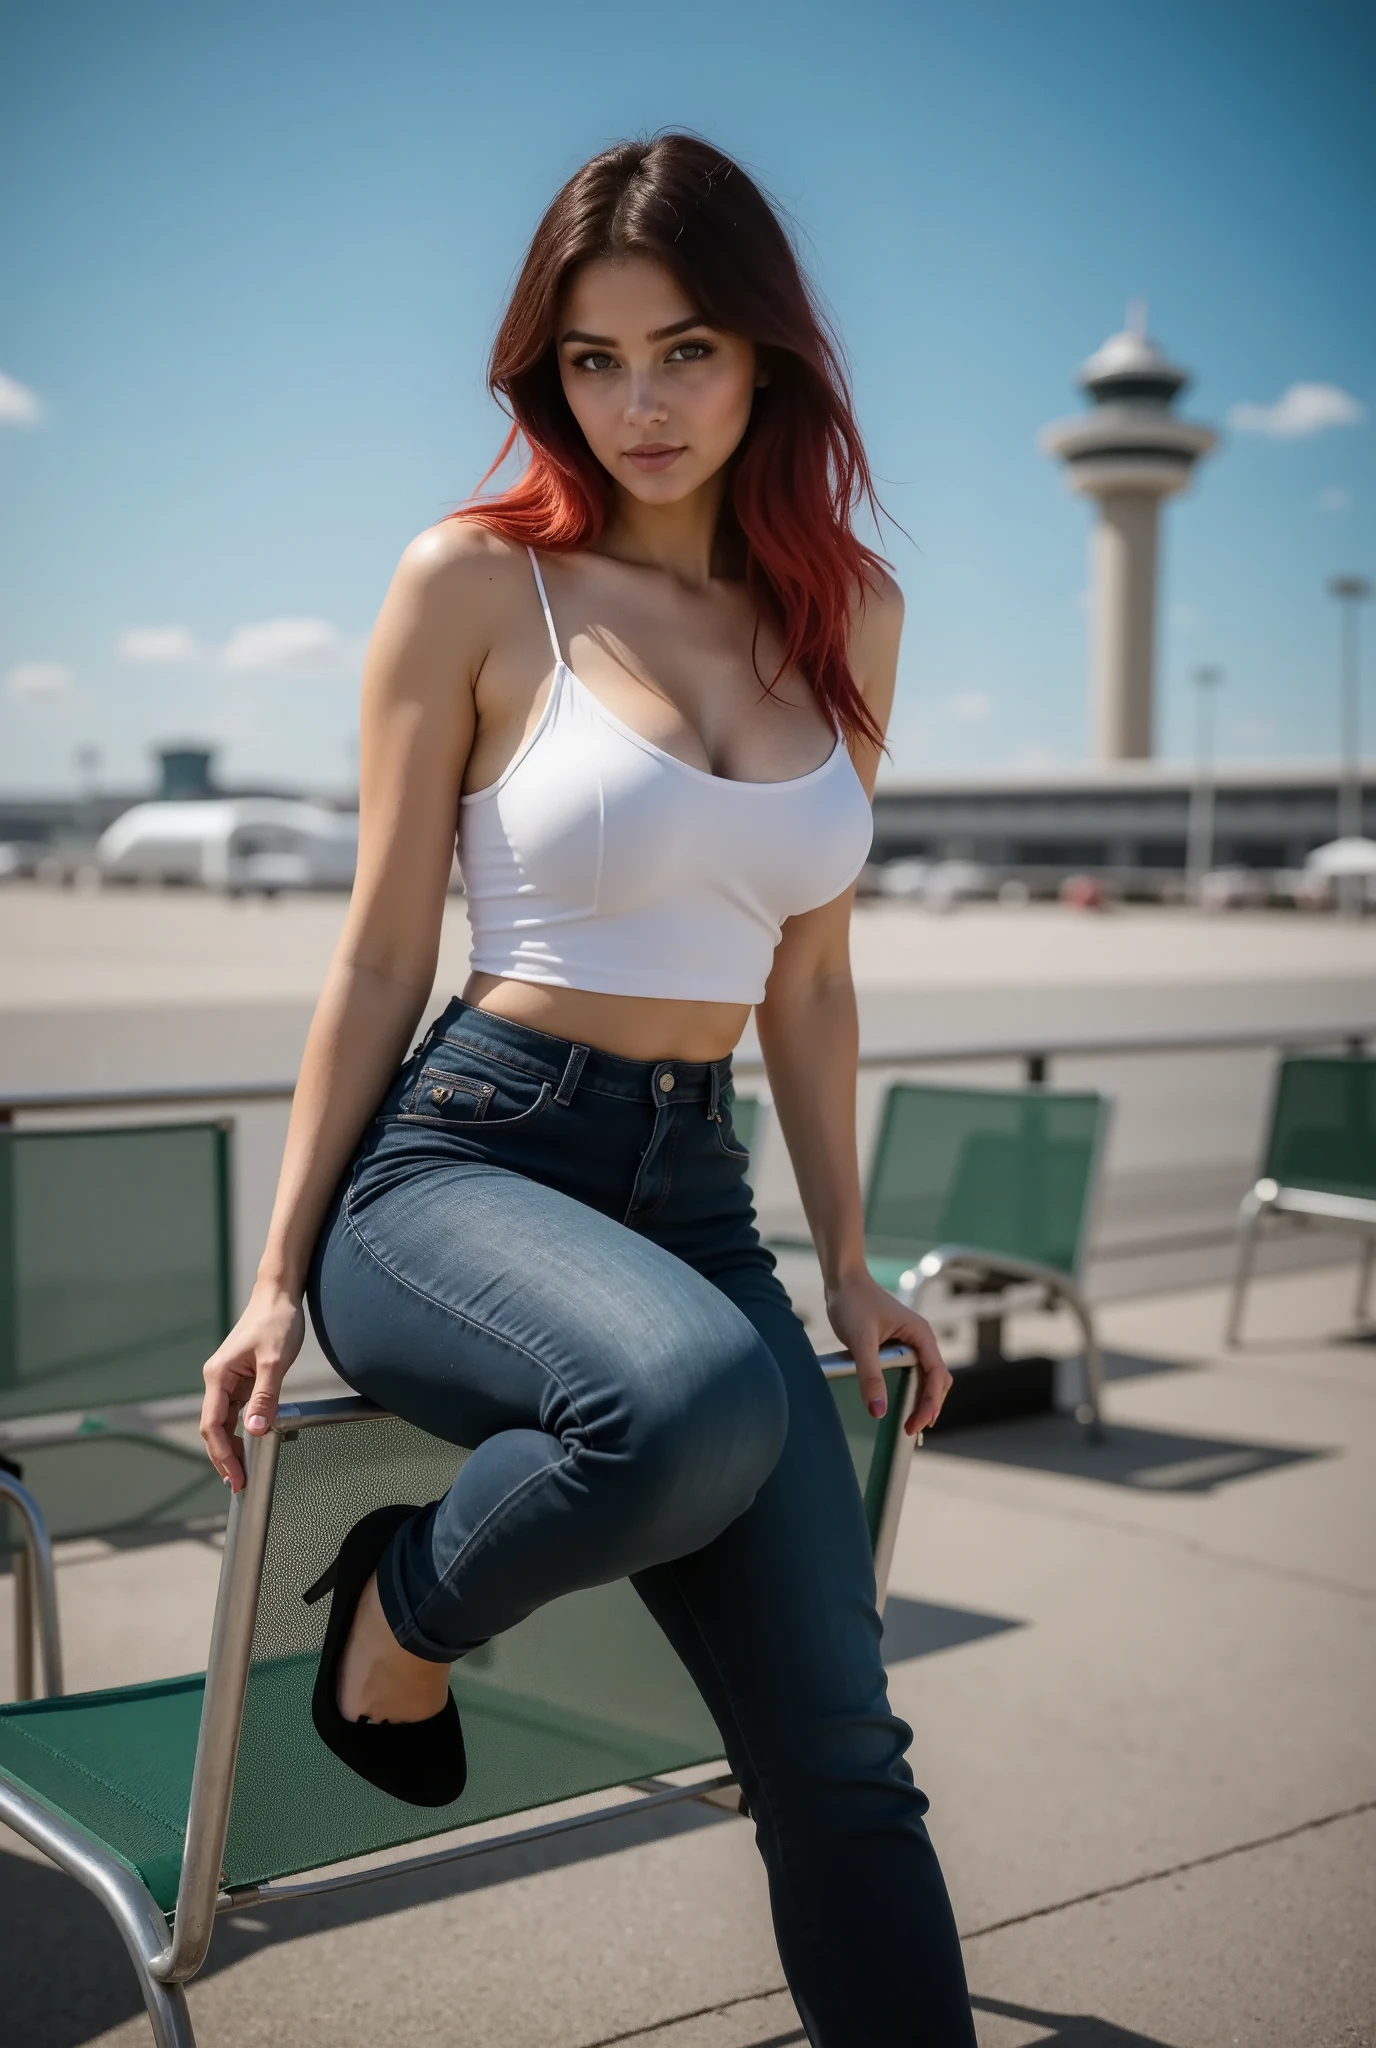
column 1128, row 820
column 187, row 773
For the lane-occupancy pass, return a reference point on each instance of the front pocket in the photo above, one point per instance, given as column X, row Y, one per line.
column 446, row 1096
column 726, row 1138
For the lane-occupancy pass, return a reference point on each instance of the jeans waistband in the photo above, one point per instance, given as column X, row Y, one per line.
column 570, row 1067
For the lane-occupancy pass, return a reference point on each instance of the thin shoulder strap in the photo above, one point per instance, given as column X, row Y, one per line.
column 544, row 606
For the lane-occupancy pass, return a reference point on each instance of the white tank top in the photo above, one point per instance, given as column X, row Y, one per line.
column 598, row 861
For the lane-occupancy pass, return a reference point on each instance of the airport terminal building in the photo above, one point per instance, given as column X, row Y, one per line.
column 1126, row 819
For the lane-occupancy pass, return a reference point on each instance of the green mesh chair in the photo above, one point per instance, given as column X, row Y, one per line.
column 114, row 1288
column 1320, row 1163
column 984, row 1196
column 203, row 1795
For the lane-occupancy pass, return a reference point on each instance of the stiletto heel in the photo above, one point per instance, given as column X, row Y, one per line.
column 323, row 1585
column 421, row 1762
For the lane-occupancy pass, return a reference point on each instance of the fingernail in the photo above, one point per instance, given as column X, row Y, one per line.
column 877, row 1407
column 256, row 1423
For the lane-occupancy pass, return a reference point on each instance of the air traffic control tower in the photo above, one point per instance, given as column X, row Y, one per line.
column 1129, row 451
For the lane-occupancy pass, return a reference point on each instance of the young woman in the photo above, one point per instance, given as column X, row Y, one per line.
column 651, row 680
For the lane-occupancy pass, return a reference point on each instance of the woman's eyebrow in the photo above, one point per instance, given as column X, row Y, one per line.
column 677, row 327
column 609, row 341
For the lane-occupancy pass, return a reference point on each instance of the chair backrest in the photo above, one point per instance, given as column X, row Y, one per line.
column 114, row 1264
column 1005, row 1170
column 584, row 1695
column 1323, row 1126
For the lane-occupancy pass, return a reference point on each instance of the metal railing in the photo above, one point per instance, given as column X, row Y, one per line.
column 1035, row 1055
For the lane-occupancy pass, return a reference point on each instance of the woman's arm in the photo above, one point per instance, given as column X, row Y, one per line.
column 809, row 1034
column 417, row 725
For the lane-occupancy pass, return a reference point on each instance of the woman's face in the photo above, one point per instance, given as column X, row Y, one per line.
column 662, row 398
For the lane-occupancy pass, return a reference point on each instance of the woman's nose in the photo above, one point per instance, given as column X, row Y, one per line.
column 645, row 404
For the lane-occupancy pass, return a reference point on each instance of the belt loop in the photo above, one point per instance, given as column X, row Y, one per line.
column 433, row 1032
column 572, row 1070
column 714, row 1095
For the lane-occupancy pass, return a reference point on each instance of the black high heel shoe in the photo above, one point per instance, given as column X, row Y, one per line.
column 421, row 1762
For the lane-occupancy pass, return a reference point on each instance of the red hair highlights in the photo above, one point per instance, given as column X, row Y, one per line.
column 799, row 474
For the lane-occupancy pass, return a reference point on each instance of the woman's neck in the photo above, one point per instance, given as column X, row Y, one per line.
column 680, row 539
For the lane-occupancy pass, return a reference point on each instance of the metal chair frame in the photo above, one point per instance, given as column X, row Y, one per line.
column 35, row 1595
column 166, row 1957
column 35, row 1605
column 1025, row 1284
column 1267, row 1198
column 1017, row 1283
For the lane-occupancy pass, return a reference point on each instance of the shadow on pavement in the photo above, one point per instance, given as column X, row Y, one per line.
column 1148, row 1460
column 1070, row 2029
column 920, row 1628
column 1137, row 1365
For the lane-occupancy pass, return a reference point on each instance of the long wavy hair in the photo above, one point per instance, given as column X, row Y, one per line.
column 799, row 475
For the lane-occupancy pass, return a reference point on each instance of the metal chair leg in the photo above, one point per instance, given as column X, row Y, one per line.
column 168, row 2012
column 1361, row 1306
column 1091, row 1410
column 35, row 1597
column 21, row 1564
column 944, row 1258
column 1255, row 1203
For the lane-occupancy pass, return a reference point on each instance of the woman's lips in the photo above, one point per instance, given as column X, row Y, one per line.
column 653, row 455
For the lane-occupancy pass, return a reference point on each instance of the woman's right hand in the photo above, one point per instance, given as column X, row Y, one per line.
column 246, row 1373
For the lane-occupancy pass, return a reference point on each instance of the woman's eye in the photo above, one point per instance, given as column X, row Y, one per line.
column 595, row 359
column 690, row 352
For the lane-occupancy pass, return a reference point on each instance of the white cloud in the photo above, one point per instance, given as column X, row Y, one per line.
column 1303, row 409
column 971, row 705
column 19, row 407
column 299, row 646
column 1334, row 498
column 40, row 681
column 158, row 646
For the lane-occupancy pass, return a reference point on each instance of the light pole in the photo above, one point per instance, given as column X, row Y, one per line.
column 87, row 759
column 1200, row 853
column 1350, row 592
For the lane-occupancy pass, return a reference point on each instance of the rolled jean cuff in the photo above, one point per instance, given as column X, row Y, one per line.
column 397, row 1606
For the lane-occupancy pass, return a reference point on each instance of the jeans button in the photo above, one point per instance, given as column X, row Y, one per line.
column 666, row 1082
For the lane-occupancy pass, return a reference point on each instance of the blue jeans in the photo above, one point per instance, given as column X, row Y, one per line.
column 548, row 1253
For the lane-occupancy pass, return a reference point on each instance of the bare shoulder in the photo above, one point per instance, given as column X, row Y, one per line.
column 458, row 561
column 457, row 591
column 876, row 627
column 877, row 612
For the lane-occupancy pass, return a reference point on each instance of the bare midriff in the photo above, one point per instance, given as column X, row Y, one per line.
column 635, row 1027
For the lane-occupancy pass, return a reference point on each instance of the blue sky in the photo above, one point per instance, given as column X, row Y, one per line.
column 254, row 256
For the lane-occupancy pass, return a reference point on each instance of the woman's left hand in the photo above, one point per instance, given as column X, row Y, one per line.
column 865, row 1315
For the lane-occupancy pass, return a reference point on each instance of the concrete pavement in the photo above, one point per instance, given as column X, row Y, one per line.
column 1142, row 1681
